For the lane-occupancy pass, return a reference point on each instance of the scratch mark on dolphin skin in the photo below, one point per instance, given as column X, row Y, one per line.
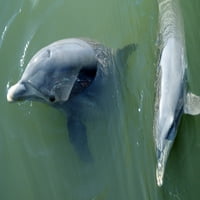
column 10, row 21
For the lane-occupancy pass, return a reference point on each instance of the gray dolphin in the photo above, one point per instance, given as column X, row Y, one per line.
column 172, row 97
column 75, row 76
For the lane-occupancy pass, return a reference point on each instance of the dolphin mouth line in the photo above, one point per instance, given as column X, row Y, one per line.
column 37, row 91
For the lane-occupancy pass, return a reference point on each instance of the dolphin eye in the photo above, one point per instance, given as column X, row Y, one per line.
column 52, row 98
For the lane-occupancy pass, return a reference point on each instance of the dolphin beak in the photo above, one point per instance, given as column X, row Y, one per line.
column 16, row 92
column 23, row 91
column 161, row 163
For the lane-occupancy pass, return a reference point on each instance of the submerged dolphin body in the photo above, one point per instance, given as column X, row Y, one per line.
column 172, row 97
column 76, row 76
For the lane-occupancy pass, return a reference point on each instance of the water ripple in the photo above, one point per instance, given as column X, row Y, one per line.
column 34, row 3
column 141, row 101
column 24, row 53
column 10, row 21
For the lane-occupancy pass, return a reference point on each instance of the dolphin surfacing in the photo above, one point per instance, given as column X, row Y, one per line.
column 172, row 97
column 73, row 75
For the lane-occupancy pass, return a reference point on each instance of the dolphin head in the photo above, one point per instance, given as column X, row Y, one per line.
column 54, row 70
column 166, row 131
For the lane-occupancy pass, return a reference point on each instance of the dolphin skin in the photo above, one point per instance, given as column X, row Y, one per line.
column 76, row 76
column 172, row 96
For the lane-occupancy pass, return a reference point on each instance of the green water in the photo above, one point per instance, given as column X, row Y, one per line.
column 37, row 160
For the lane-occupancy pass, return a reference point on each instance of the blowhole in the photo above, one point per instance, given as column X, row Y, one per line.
column 48, row 53
column 52, row 99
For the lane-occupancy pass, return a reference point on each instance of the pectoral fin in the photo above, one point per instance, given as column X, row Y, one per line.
column 192, row 104
column 78, row 138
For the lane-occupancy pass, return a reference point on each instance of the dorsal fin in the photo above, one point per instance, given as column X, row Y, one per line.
column 125, row 52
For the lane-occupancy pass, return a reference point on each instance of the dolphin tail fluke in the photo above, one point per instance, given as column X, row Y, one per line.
column 78, row 138
column 192, row 104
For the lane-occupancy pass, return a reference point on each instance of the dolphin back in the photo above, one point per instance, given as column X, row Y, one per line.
column 172, row 98
column 170, row 85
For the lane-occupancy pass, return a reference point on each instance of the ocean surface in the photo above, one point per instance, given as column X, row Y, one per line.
column 37, row 160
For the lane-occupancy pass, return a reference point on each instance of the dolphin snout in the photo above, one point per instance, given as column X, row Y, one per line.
column 16, row 92
column 162, row 156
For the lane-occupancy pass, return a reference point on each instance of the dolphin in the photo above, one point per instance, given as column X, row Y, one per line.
column 75, row 76
column 172, row 96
